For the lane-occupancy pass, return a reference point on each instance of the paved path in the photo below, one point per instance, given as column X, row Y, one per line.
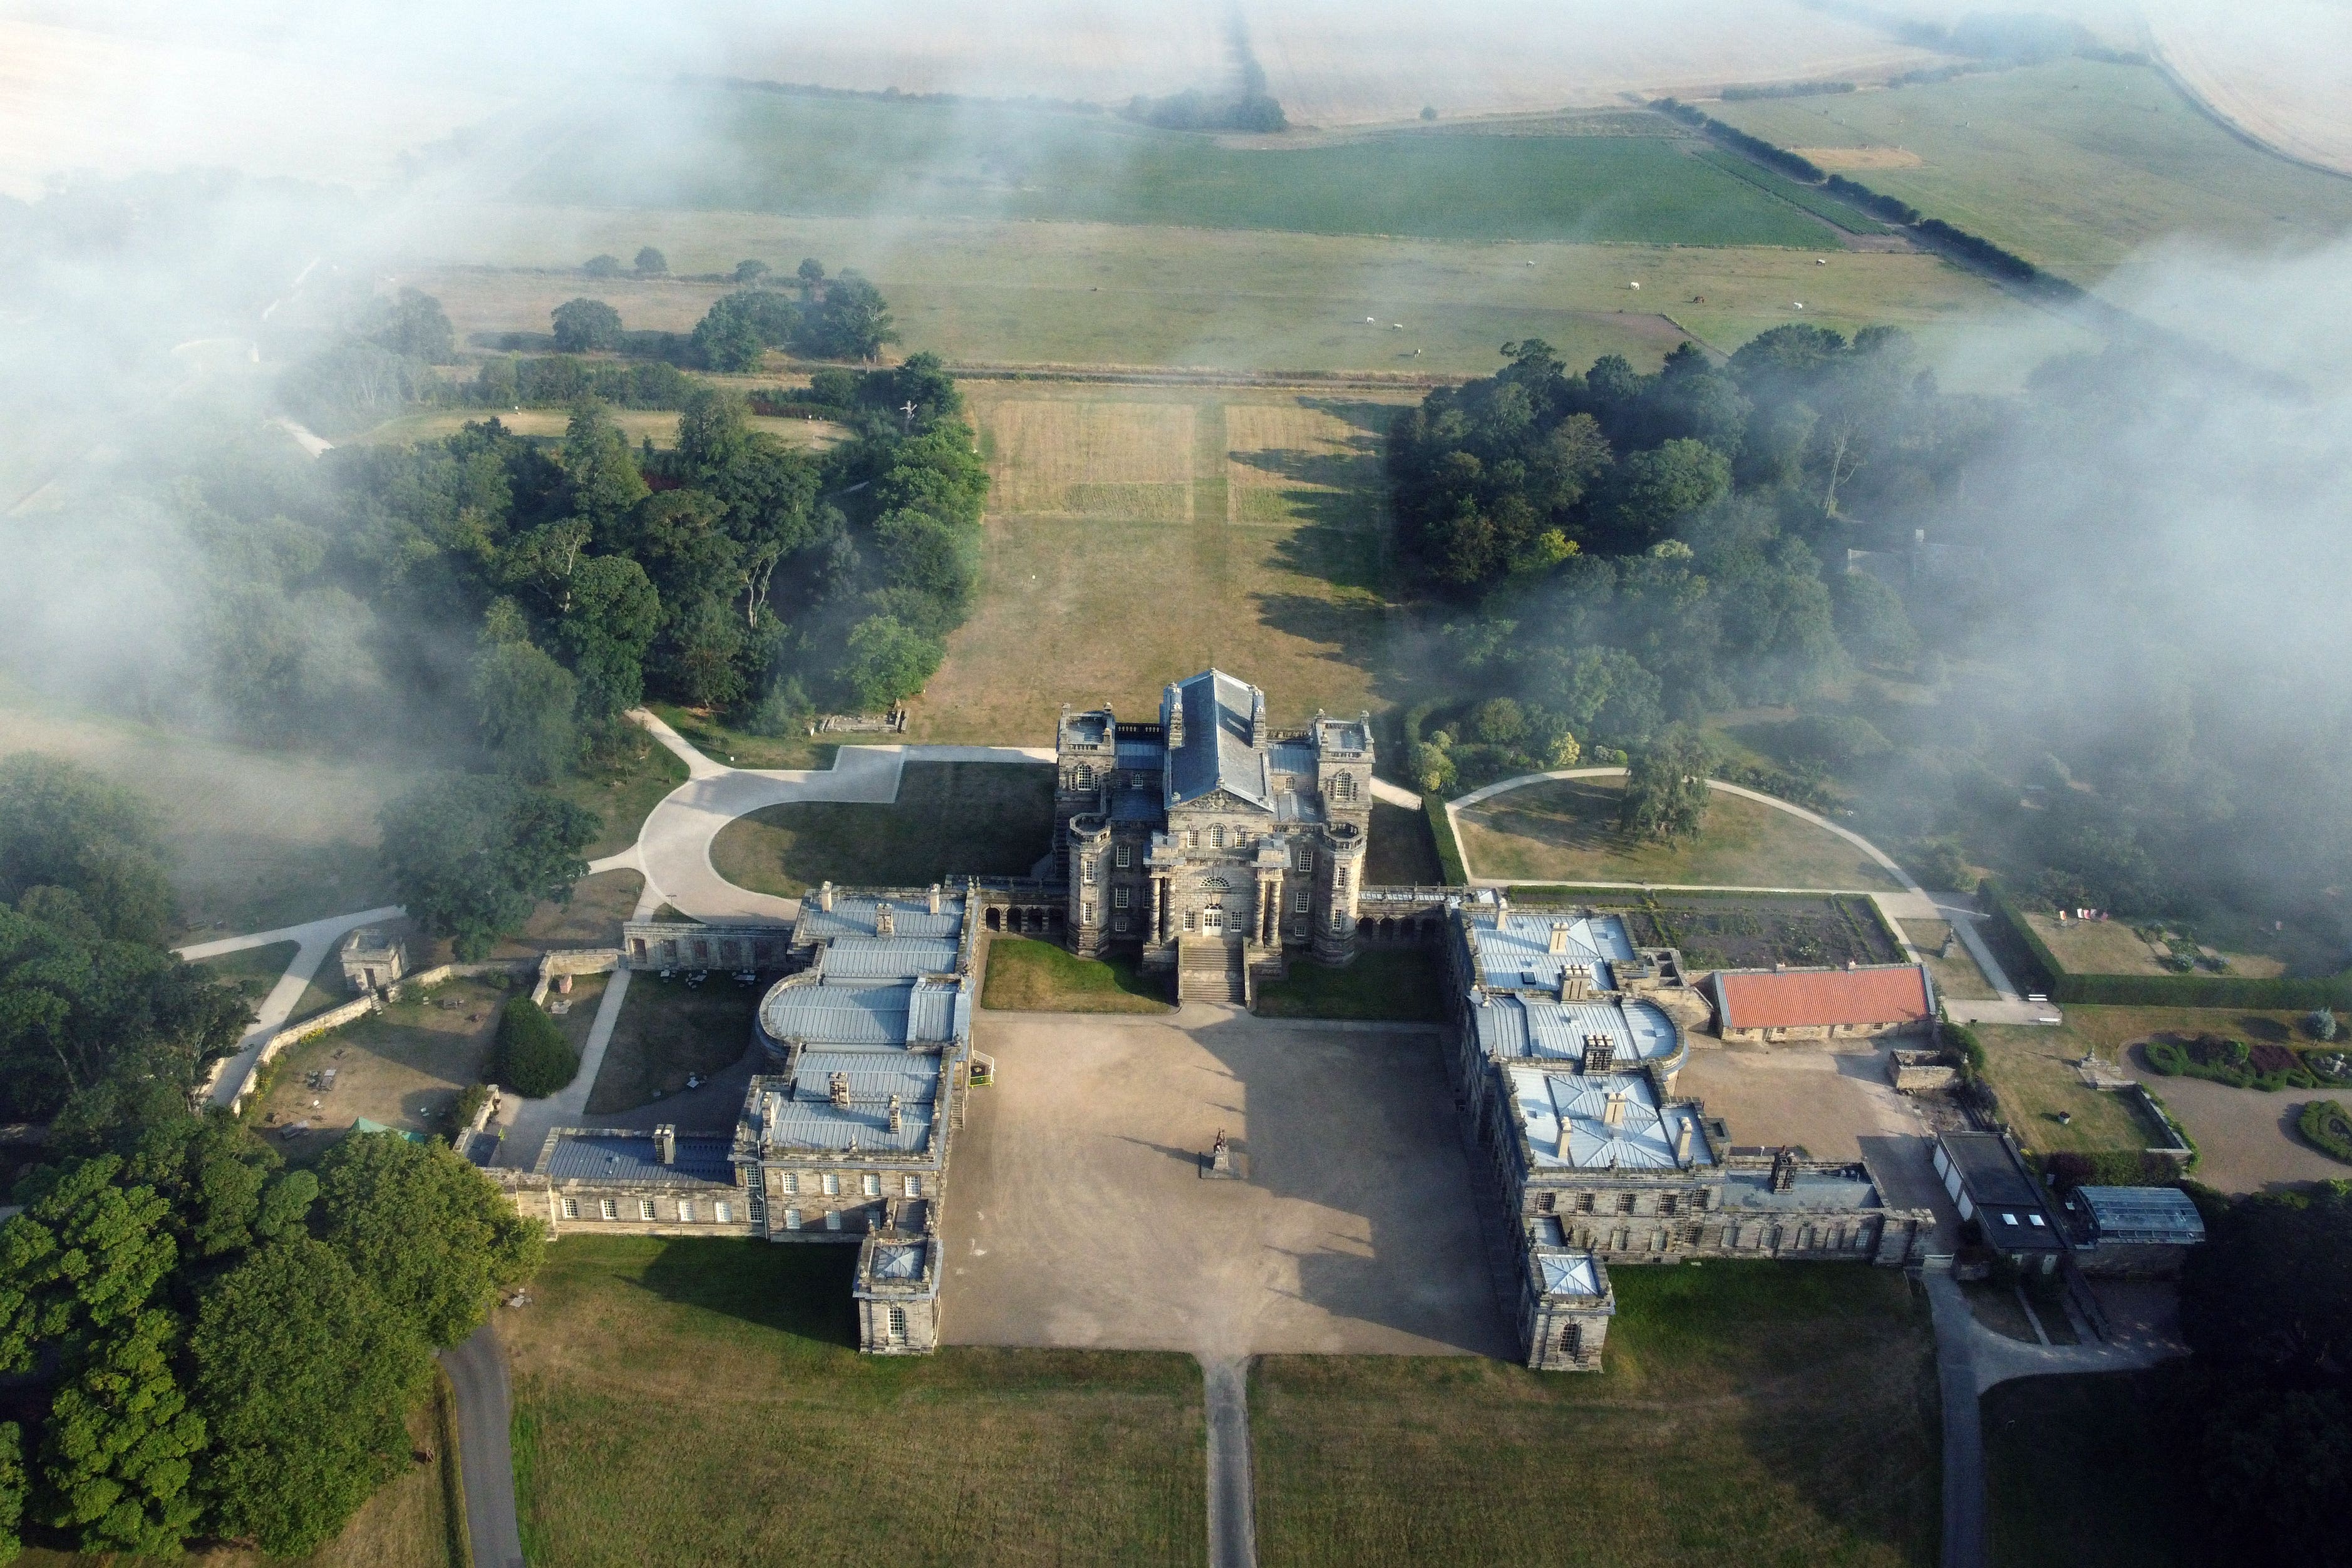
column 1970, row 1359
column 1395, row 794
column 527, row 1121
column 1233, row 1521
column 673, row 846
column 477, row 1371
column 318, row 939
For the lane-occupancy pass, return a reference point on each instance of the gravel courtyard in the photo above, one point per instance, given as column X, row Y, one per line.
column 1076, row 1214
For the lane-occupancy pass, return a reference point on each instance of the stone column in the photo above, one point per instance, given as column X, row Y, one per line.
column 1272, row 937
column 1159, row 927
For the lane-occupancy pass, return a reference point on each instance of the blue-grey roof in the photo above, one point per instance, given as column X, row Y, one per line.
column 937, row 1012
column 1136, row 805
column 854, row 916
column 798, row 1115
column 1566, row 1118
column 1513, row 1026
column 1219, row 750
column 898, row 1260
column 1848, row 1189
column 1292, row 757
column 1569, row 1274
column 633, row 1158
column 1518, row 952
column 1142, row 754
column 889, row 957
column 2143, row 1215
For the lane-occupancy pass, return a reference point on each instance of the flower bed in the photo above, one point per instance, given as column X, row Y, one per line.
column 2220, row 1059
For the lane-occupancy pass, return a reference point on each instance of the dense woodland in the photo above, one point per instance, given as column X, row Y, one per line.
column 2003, row 626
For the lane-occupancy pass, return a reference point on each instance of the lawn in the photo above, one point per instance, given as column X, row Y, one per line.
column 668, row 1029
column 593, row 918
column 1251, row 520
column 985, row 293
column 1750, row 1412
column 951, row 819
column 1403, row 853
column 739, row 747
column 625, row 792
column 2119, row 947
column 2074, row 165
column 1030, row 976
column 2115, row 1492
column 403, row 1067
column 1634, row 181
column 630, row 1449
column 254, row 970
column 1565, row 831
column 2030, row 1068
column 1403, row 983
column 548, row 424
column 1956, row 977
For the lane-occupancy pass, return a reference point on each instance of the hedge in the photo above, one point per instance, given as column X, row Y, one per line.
column 2326, row 1126
column 532, row 1056
column 2219, row 1059
column 1449, row 853
column 2165, row 989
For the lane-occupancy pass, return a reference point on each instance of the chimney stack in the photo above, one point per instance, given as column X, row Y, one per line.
column 841, row 1089
column 824, row 898
column 1600, row 1053
column 898, row 1117
column 1175, row 704
column 885, row 922
column 665, row 1142
column 1257, row 716
column 1683, row 1142
column 1502, row 909
column 1559, row 937
column 1784, row 1169
column 935, row 898
column 1575, row 983
column 1614, row 1114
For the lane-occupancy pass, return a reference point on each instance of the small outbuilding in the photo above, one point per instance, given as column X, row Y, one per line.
column 1991, row 1186
column 2140, row 1231
column 373, row 959
column 1858, row 1002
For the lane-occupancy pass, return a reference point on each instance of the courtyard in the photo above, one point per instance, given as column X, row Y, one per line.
column 1077, row 1216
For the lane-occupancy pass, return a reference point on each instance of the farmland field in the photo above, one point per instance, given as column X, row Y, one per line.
column 1624, row 175
column 986, row 292
column 2073, row 165
column 1171, row 529
column 637, row 424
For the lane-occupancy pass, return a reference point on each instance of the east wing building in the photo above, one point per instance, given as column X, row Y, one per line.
column 1210, row 842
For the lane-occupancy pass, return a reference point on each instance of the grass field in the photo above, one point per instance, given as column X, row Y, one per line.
column 1029, row 976
column 1406, row 984
column 2114, row 1494
column 1252, row 520
column 741, row 748
column 1751, row 1413
column 1956, row 977
column 2073, row 165
column 667, row 1031
column 632, row 1446
column 257, row 840
column 254, row 971
column 989, row 292
column 1625, row 176
column 1565, row 831
column 990, row 819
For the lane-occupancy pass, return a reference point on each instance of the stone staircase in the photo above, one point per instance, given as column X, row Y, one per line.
column 1209, row 971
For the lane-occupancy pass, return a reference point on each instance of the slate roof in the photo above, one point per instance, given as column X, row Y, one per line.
column 1219, row 751
column 854, row 917
column 1564, row 1115
column 1818, row 998
column 631, row 1159
column 1518, row 952
column 890, row 957
column 1518, row 1027
column 2147, row 1216
column 1569, row 1274
column 806, row 1120
column 2007, row 1206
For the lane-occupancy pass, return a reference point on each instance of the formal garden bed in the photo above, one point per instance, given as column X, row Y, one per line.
column 2242, row 1064
column 2326, row 1126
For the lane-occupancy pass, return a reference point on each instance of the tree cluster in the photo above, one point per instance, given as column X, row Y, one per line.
column 210, row 1346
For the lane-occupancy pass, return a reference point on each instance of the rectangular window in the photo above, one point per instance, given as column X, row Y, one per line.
column 1571, row 1338
column 792, row 1182
column 1545, row 1201
column 897, row 1320
column 914, row 1187
column 833, row 1219
column 1120, row 898
column 1585, row 1202
column 792, row 1219
column 1217, row 836
column 1118, row 923
column 832, row 1184
column 1087, row 913
column 571, row 1208
column 1298, row 902
column 1624, row 1203
column 1306, row 858
column 723, row 1212
column 1699, row 1202
column 606, row 1208
column 685, row 1211
column 1189, row 920
column 1126, row 855
column 1666, row 1202
column 1087, row 869
column 872, row 1185
column 644, row 1209
column 1339, row 880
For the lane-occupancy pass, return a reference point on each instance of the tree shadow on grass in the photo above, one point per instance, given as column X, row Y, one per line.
column 801, row 1289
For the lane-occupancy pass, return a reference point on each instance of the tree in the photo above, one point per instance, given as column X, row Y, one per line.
column 714, row 434
column 1651, row 491
column 469, row 856
column 1665, row 795
column 532, row 1058
column 810, row 272
column 749, row 272
column 304, row 1376
column 584, row 326
column 651, row 263
column 524, row 705
column 415, row 326
column 727, row 340
column 84, row 1258
column 428, row 1232
column 12, row 1490
column 61, row 826
column 122, row 1444
column 1871, row 621
column 1500, row 722
column 601, row 267
column 601, row 475
column 887, row 660
column 852, row 322
column 613, row 614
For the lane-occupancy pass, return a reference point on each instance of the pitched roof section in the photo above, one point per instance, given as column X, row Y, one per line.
column 1220, row 742
column 1817, row 998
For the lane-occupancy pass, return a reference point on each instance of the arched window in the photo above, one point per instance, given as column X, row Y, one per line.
column 1082, row 777
column 1217, row 885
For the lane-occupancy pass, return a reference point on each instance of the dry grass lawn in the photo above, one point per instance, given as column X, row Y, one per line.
column 1066, row 459
column 2030, row 1068
column 700, row 1403
column 403, row 1067
column 987, row 819
column 1956, row 977
column 1750, row 1412
column 1565, row 831
column 815, row 435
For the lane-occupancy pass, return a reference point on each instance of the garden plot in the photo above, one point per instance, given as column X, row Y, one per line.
column 1091, row 459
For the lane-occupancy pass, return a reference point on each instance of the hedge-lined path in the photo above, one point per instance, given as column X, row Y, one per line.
column 318, row 939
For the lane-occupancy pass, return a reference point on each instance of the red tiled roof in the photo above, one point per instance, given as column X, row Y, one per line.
column 1812, row 998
